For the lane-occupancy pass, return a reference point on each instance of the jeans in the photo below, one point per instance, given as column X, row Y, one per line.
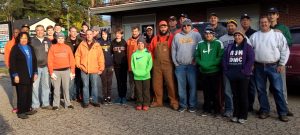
column 75, row 85
column 262, row 73
column 42, row 80
column 86, row 79
column 227, row 95
column 187, row 74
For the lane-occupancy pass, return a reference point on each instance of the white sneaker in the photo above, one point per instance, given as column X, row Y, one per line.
column 234, row 119
column 242, row 121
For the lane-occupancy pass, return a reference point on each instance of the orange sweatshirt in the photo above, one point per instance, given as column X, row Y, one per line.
column 90, row 60
column 131, row 48
column 60, row 56
column 7, row 50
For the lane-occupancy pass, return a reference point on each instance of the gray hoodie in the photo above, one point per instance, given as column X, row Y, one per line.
column 184, row 46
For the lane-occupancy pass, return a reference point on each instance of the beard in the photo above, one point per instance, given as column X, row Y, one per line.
column 163, row 33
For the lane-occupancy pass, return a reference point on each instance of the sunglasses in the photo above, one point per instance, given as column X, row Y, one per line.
column 186, row 25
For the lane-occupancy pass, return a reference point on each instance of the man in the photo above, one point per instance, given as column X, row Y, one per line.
column 89, row 59
column 246, row 25
column 84, row 28
column 96, row 31
column 132, row 47
column 218, row 28
column 183, row 49
column 50, row 34
column 149, row 36
column 182, row 17
column 226, row 40
column 75, row 85
column 271, row 54
column 172, row 24
column 246, row 28
column 41, row 46
column 25, row 28
column 7, row 50
column 163, row 70
column 273, row 15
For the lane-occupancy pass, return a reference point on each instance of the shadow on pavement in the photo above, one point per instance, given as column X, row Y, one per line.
column 4, row 127
column 5, row 83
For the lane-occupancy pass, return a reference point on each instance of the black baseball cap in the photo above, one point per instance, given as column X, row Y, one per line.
column 25, row 25
column 184, row 15
column 172, row 18
column 245, row 16
column 273, row 10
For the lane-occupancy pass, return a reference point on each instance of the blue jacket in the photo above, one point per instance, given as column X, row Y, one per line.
column 248, row 58
column 106, row 47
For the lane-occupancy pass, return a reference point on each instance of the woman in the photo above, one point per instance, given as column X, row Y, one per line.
column 23, row 69
column 238, row 64
column 61, row 65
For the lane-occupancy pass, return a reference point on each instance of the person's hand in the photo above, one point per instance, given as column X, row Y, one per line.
column 17, row 79
column 100, row 72
column 72, row 76
column 35, row 77
column 53, row 76
column 280, row 69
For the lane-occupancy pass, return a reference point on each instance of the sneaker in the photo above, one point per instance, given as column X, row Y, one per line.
column 204, row 114
column 241, row 121
column 192, row 109
column 85, row 105
column 22, row 116
column 32, row 112
column 71, row 106
column 182, row 109
column 145, row 108
column 105, row 102
column 14, row 110
column 289, row 113
column 55, row 108
column 47, row 107
column 139, row 107
column 95, row 104
column 227, row 114
column 118, row 101
column 263, row 115
column 124, row 101
column 234, row 119
column 109, row 100
column 283, row 118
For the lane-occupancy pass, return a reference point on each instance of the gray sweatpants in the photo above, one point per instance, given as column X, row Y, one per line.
column 63, row 78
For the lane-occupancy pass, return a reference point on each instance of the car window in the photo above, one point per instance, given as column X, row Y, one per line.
column 295, row 36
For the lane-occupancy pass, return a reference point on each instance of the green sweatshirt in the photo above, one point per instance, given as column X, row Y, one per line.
column 286, row 32
column 209, row 56
column 141, row 64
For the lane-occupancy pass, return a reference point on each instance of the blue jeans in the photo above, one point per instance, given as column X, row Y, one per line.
column 227, row 95
column 261, row 75
column 187, row 74
column 75, row 85
column 86, row 78
column 43, row 80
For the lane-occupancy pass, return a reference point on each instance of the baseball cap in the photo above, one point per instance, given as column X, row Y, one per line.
column 187, row 22
column 273, row 10
column 163, row 23
column 60, row 34
column 172, row 18
column 184, row 15
column 25, row 25
column 245, row 16
column 209, row 29
column 149, row 27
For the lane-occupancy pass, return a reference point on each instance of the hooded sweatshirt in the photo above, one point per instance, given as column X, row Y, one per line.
column 209, row 55
column 183, row 47
column 141, row 64
column 119, row 51
column 106, row 44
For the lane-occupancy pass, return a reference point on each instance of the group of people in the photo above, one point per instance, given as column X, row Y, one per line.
column 231, row 64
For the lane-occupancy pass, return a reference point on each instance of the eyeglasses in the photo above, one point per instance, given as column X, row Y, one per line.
column 186, row 25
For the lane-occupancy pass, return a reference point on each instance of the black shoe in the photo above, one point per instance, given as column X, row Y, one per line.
column 182, row 109
column 95, row 104
column 192, row 109
column 47, row 107
column 31, row 112
column 71, row 106
column 283, row 118
column 109, row 100
column 105, row 101
column 263, row 115
column 55, row 108
column 85, row 105
column 289, row 113
column 22, row 116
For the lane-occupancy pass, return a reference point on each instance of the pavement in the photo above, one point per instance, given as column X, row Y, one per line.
column 125, row 120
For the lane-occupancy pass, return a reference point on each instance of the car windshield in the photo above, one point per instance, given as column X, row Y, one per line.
column 295, row 36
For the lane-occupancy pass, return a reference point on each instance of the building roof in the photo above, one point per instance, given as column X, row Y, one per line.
column 141, row 4
column 19, row 23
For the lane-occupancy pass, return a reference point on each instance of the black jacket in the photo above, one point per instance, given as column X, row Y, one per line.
column 106, row 45
column 41, row 50
column 18, row 65
column 73, row 46
column 119, row 51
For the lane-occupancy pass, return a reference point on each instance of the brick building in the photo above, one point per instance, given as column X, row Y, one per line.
column 126, row 13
